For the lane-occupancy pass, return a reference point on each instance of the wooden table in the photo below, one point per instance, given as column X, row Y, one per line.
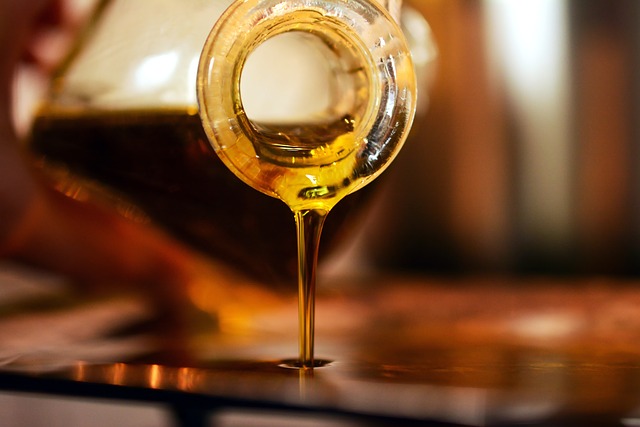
column 403, row 351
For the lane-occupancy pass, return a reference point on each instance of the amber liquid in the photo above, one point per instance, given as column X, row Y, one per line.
column 310, row 166
column 162, row 162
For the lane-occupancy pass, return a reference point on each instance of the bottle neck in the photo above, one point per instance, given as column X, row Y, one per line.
column 371, row 95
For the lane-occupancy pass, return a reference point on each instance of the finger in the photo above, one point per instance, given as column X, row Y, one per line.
column 54, row 30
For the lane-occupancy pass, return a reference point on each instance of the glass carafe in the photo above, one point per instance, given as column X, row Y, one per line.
column 122, row 120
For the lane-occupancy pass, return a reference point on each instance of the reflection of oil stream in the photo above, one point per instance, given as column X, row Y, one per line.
column 304, row 375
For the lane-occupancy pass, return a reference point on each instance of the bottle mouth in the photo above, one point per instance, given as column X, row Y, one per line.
column 362, row 85
column 325, row 93
column 301, row 80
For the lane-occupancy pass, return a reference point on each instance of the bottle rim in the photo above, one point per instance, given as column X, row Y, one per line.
column 367, row 27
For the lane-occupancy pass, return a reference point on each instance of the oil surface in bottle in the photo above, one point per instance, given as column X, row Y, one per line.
column 308, row 165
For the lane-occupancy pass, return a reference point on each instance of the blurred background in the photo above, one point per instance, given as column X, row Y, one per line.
column 526, row 162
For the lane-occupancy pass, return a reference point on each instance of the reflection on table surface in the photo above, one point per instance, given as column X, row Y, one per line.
column 446, row 351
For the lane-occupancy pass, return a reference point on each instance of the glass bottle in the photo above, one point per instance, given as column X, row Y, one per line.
column 122, row 116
